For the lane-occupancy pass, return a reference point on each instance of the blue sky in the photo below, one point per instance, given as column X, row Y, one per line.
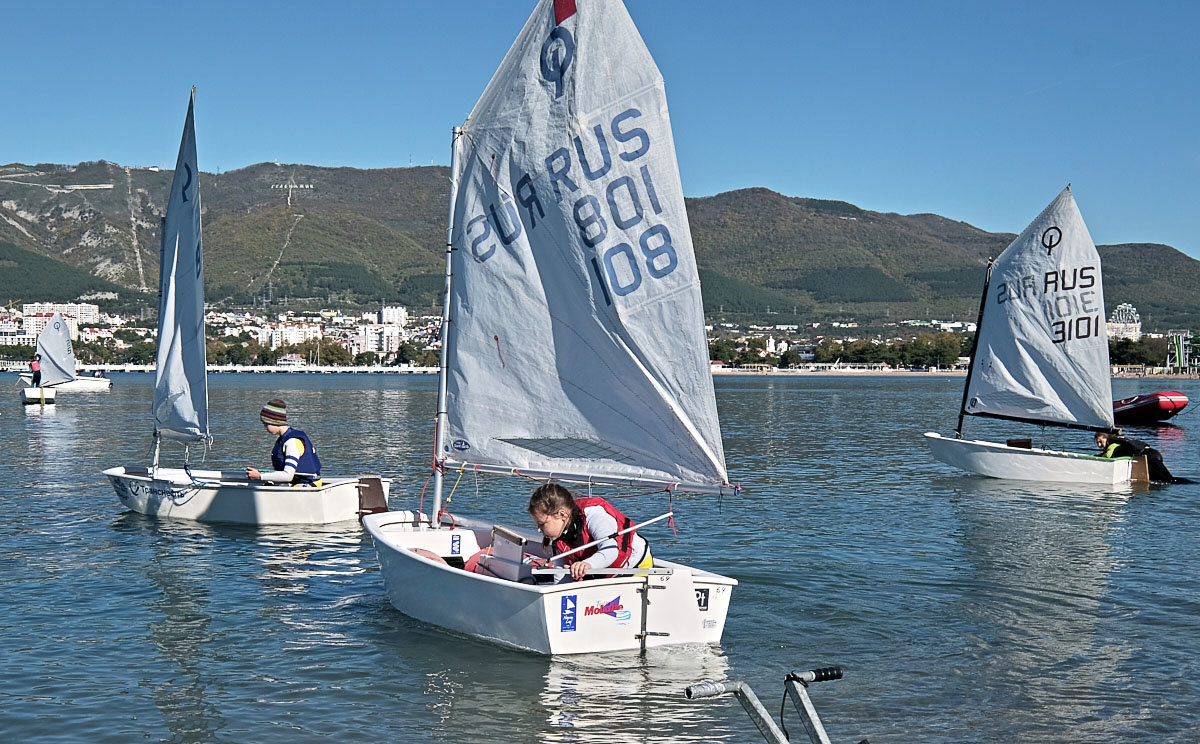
column 980, row 112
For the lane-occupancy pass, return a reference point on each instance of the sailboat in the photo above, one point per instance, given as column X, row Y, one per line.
column 180, row 407
column 1040, row 355
column 57, row 359
column 573, row 346
column 58, row 363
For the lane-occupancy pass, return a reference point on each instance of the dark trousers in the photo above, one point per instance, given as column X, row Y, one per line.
column 1158, row 471
column 37, row 378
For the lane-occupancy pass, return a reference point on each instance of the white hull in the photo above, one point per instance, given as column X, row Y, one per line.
column 226, row 496
column 1016, row 463
column 37, row 396
column 576, row 617
column 78, row 385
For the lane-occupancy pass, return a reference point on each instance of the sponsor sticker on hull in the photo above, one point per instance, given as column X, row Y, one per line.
column 568, row 612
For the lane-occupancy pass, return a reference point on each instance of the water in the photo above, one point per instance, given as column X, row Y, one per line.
column 963, row 609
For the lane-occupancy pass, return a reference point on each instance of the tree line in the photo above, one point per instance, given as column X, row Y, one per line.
column 926, row 350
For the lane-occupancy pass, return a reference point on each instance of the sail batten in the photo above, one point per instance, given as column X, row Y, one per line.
column 1042, row 344
column 180, row 407
column 575, row 313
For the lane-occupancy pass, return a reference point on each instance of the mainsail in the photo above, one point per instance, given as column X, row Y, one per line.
column 1042, row 351
column 180, row 385
column 58, row 358
column 575, row 334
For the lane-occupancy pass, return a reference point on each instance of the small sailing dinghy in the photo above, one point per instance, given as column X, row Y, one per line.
column 573, row 345
column 180, row 407
column 58, row 363
column 1040, row 355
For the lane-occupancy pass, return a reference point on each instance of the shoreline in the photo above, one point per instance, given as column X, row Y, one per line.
column 85, row 370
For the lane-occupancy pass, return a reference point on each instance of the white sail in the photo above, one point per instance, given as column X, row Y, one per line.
column 575, row 335
column 180, row 386
column 58, row 358
column 1042, row 353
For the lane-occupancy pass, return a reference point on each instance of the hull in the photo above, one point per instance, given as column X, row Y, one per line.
column 1148, row 409
column 1017, row 463
column 226, row 496
column 37, row 395
column 78, row 385
column 594, row 616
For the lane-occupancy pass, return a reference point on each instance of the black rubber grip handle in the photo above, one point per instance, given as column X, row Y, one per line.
column 824, row 674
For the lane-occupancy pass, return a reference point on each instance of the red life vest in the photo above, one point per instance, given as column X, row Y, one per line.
column 581, row 537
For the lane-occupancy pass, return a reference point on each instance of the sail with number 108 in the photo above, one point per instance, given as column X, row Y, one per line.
column 576, row 340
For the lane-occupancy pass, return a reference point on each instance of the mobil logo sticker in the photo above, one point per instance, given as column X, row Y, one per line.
column 456, row 545
column 612, row 608
column 568, row 613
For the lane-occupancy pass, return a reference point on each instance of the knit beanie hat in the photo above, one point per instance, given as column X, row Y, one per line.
column 274, row 412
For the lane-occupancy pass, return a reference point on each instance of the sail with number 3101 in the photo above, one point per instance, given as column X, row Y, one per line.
column 1041, row 355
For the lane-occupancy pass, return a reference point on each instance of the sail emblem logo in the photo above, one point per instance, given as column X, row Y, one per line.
column 568, row 612
column 461, row 445
column 1051, row 238
column 557, row 53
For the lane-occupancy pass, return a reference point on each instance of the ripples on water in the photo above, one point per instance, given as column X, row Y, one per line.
column 964, row 609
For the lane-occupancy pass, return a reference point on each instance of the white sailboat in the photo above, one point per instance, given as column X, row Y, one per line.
column 59, row 373
column 180, row 407
column 57, row 359
column 1040, row 356
column 573, row 344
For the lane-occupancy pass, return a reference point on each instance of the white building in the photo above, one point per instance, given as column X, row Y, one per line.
column 33, row 323
column 376, row 337
column 1125, row 323
column 394, row 315
column 286, row 334
column 83, row 312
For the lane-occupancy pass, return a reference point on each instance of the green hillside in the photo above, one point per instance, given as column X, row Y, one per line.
column 358, row 237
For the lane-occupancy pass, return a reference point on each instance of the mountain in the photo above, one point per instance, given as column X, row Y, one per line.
column 324, row 235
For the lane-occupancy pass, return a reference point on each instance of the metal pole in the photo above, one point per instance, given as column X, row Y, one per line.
column 441, row 421
column 749, row 701
column 797, row 691
column 962, row 409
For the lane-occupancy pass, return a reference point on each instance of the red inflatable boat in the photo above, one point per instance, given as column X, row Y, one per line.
column 1148, row 409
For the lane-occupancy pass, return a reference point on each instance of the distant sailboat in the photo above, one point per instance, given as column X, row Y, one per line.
column 58, row 361
column 573, row 344
column 180, row 408
column 1041, row 355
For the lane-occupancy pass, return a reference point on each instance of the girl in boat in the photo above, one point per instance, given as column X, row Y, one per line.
column 567, row 522
column 35, row 366
column 1112, row 445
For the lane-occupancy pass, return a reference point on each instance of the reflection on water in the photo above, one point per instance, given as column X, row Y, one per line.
column 1037, row 563
column 964, row 609
column 479, row 692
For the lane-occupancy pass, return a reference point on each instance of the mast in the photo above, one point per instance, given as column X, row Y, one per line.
column 962, row 409
column 441, row 421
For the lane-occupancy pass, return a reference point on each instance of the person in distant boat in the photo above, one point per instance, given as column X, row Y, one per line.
column 567, row 522
column 35, row 366
column 1112, row 445
column 294, row 458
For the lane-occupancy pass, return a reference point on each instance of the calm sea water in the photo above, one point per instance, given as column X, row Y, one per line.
column 963, row 609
